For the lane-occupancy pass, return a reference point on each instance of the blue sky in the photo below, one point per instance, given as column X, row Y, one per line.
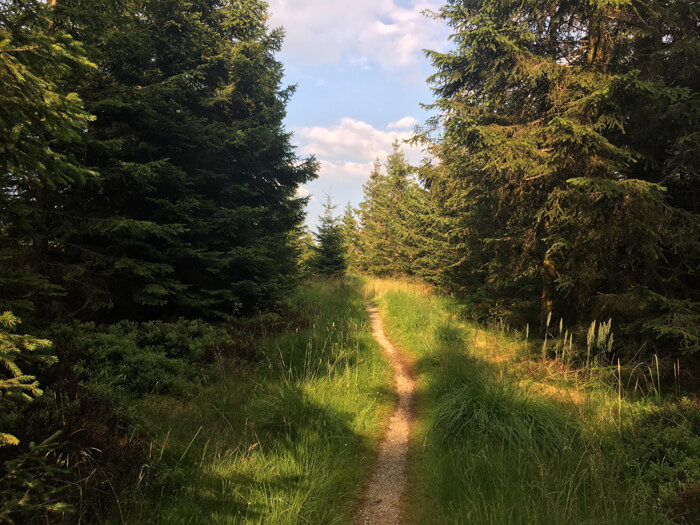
column 361, row 77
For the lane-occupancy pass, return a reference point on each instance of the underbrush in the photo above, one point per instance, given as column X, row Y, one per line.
column 661, row 445
column 262, row 419
column 507, row 435
column 78, row 444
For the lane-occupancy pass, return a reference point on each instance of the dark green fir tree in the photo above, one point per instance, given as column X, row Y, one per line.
column 330, row 258
column 351, row 235
column 40, row 117
column 194, row 212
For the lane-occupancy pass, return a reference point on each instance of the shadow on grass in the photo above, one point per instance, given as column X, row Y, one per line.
column 299, row 462
column 287, row 442
column 487, row 450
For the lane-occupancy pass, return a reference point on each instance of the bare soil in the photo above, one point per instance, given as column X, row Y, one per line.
column 381, row 502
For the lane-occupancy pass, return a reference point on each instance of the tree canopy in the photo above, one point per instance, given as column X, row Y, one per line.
column 159, row 180
column 330, row 251
column 562, row 179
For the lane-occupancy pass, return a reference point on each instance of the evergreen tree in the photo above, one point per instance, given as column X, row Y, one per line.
column 194, row 211
column 16, row 386
column 39, row 115
column 350, row 228
column 380, row 245
column 424, row 233
column 550, row 181
column 395, row 218
column 331, row 252
column 306, row 249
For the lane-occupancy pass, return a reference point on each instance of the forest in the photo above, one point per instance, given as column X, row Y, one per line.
column 176, row 346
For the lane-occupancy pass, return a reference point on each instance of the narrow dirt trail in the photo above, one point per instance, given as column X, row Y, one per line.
column 381, row 502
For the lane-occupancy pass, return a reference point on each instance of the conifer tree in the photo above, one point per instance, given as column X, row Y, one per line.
column 424, row 235
column 194, row 211
column 331, row 251
column 17, row 387
column 400, row 231
column 306, row 248
column 39, row 115
column 350, row 228
column 550, row 179
column 385, row 236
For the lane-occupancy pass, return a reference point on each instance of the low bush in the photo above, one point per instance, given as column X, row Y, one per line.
column 94, row 450
column 663, row 451
column 142, row 358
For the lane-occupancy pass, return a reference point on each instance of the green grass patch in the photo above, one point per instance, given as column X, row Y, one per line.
column 287, row 441
column 491, row 445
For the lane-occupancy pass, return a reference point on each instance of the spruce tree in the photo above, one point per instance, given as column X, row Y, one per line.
column 350, row 228
column 194, row 211
column 330, row 258
column 559, row 199
column 40, row 115
column 393, row 215
column 17, row 386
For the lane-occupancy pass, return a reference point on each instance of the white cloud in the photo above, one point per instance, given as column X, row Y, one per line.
column 348, row 150
column 404, row 123
column 360, row 61
column 351, row 140
column 345, row 171
column 381, row 31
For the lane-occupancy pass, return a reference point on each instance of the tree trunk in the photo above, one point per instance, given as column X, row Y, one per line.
column 548, row 277
column 40, row 242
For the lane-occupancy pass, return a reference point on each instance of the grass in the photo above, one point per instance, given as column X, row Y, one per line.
column 509, row 430
column 287, row 441
column 504, row 436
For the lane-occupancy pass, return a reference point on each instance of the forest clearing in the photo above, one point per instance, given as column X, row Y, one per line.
column 502, row 326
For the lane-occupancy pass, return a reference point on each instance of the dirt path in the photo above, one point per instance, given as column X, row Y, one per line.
column 381, row 502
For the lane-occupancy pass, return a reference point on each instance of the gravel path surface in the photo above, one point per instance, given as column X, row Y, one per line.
column 381, row 502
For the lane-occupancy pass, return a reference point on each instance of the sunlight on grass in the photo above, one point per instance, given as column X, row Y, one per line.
column 286, row 441
column 503, row 435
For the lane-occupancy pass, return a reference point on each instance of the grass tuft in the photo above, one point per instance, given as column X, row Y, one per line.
column 502, row 412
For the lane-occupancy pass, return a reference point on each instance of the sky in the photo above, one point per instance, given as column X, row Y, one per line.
column 361, row 76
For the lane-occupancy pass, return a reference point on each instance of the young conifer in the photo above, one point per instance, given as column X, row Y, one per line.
column 331, row 250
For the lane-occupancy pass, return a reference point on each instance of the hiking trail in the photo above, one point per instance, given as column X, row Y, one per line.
column 381, row 502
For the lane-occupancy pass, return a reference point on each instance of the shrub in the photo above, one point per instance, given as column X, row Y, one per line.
column 145, row 358
column 662, row 451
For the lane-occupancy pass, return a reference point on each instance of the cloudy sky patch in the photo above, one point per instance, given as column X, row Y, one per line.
column 360, row 73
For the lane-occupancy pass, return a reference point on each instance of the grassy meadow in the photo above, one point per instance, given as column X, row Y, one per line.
column 287, row 441
column 507, row 436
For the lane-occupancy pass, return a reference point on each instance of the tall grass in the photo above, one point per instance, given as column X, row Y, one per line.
column 499, row 438
column 287, row 441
